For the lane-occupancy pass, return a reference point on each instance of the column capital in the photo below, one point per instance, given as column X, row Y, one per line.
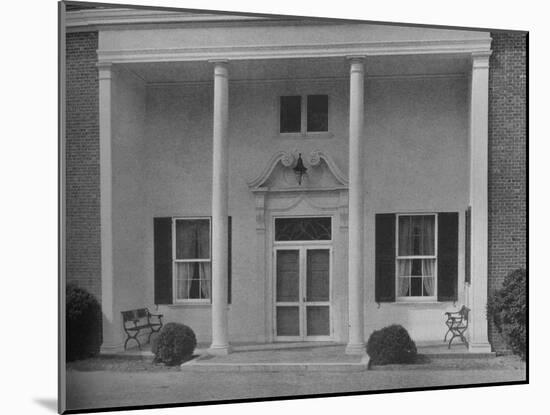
column 356, row 60
column 220, row 67
column 105, row 70
column 480, row 60
column 221, row 62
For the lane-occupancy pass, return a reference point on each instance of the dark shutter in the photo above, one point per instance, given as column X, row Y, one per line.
column 229, row 260
column 163, row 260
column 385, row 258
column 447, row 256
column 468, row 243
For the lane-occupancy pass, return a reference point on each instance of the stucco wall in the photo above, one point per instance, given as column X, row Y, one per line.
column 129, row 198
column 416, row 159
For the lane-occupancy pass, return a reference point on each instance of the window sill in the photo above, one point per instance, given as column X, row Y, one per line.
column 193, row 304
column 421, row 303
column 308, row 135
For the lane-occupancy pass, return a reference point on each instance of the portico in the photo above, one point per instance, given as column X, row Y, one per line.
column 227, row 88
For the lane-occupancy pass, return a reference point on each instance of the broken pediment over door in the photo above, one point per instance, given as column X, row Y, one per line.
column 279, row 175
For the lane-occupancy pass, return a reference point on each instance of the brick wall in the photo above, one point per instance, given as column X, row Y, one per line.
column 83, row 265
column 507, row 161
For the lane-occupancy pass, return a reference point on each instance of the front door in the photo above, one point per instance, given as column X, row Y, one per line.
column 302, row 292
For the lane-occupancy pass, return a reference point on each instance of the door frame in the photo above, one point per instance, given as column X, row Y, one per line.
column 302, row 247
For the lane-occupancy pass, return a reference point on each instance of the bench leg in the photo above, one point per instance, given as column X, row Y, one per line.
column 132, row 338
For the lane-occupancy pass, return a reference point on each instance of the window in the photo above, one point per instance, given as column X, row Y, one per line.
column 416, row 256
column 182, row 260
column 303, row 114
column 192, row 259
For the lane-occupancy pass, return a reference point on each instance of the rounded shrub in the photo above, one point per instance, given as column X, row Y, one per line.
column 508, row 309
column 174, row 344
column 83, row 318
column 391, row 344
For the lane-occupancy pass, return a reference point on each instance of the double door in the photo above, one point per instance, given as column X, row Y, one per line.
column 302, row 292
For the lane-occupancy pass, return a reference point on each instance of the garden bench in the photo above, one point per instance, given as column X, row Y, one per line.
column 457, row 324
column 134, row 321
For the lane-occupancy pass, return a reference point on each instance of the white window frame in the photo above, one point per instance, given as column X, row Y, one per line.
column 303, row 117
column 415, row 299
column 175, row 261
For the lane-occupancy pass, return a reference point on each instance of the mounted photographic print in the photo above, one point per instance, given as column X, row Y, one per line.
column 277, row 207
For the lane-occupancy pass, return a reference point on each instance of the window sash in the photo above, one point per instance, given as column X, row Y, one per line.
column 205, row 294
column 398, row 258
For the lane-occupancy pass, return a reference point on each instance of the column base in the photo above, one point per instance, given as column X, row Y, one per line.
column 356, row 349
column 479, row 347
column 219, row 350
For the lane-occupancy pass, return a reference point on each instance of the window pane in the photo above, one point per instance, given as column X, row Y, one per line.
column 416, row 277
column 416, row 286
column 317, row 282
column 193, row 280
column 318, row 321
column 417, row 235
column 288, row 275
column 291, row 120
column 288, row 321
column 302, row 229
column 317, row 113
column 193, row 239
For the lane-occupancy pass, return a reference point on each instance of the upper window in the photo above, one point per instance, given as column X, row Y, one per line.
column 192, row 259
column 303, row 114
column 416, row 260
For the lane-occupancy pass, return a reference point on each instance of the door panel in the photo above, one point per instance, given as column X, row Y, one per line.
column 318, row 275
column 288, row 275
column 302, row 307
column 288, row 320
column 318, row 320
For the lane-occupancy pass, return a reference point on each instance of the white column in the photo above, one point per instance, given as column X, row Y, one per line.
column 479, row 202
column 356, row 340
column 220, row 344
column 112, row 340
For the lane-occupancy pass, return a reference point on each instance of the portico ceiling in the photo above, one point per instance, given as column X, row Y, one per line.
column 302, row 68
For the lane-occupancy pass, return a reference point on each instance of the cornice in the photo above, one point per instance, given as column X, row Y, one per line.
column 320, row 50
column 102, row 17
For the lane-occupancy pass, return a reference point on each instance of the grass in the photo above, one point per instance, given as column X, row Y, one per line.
column 121, row 364
column 424, row 362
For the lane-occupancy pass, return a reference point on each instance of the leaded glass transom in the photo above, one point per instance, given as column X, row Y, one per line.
column 303, row 229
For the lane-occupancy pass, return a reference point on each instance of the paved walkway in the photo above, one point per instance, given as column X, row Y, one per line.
column 88, row 389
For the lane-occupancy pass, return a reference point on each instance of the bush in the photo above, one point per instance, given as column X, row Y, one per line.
column 391, row 344
column 174, row 344
column 508, row 309
column 83, row 318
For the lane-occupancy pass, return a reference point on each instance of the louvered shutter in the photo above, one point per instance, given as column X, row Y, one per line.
column 163, row 260
column 447, row 256
column 385, row 258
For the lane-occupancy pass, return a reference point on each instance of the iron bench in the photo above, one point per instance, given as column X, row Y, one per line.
column 457, row 324
column 134, row 321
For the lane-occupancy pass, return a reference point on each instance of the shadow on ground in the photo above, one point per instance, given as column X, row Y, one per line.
column 48, row 403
